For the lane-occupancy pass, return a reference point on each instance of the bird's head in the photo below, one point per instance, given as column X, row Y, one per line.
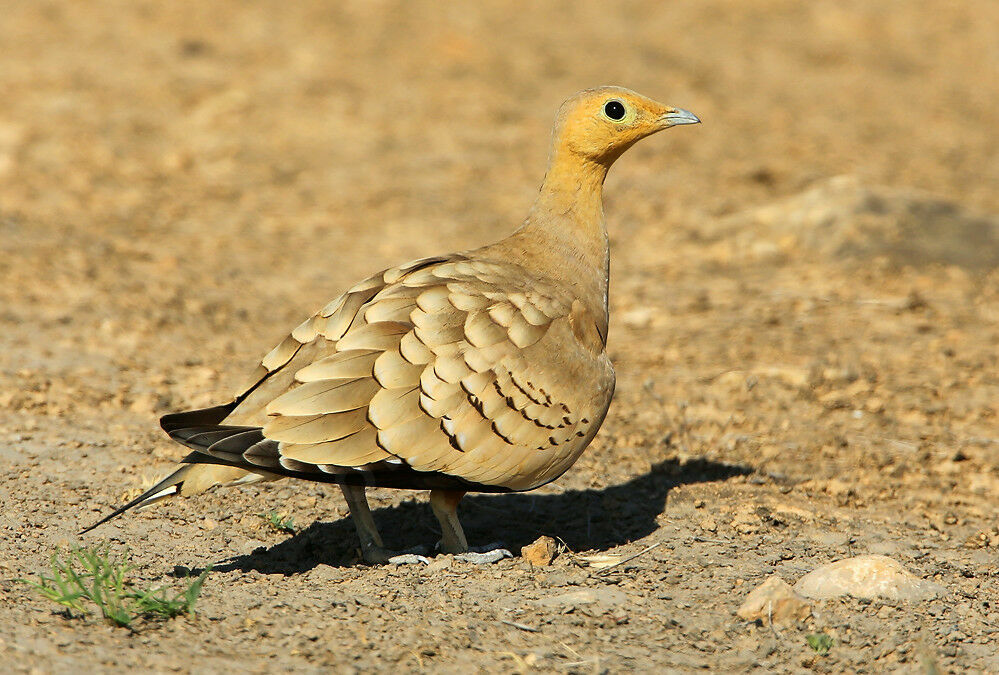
column 600, row 124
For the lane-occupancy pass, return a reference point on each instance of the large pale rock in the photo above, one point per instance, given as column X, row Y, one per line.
column 868, row 577
column 774, row 601
column 844, row 218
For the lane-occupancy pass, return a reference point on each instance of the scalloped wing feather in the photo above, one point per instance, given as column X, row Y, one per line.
column 467, row 367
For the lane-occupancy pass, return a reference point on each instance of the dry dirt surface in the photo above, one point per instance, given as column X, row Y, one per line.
column 805, row 320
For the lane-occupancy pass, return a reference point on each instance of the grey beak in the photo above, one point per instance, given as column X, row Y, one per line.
column 680, row 116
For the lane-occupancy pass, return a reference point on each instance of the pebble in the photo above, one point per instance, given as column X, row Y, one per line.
column 867, row 577
column 774, row 600
column 324, row 574
column 541, row 552
column 441, row 563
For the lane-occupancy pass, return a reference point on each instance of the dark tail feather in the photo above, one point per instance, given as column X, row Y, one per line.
column 206, row 417
column 167, row 487
column 182, row 427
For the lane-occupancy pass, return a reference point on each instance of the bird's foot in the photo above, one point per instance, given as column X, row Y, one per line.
column 484, row 555
column 408, row 559
column 479, row 555
column 378, row 555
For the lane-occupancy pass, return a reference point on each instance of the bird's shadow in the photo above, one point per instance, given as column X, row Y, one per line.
column 596, row 519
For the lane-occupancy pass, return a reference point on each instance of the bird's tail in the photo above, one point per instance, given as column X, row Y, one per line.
column 194, row 477
column 166, row 488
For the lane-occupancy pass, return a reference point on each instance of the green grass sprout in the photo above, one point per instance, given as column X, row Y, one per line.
column 281, row 522
column 86, row 576
column 820, row 643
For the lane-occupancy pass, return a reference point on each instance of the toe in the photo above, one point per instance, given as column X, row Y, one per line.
column 408, row 559
column 377, row 555
column 484, row 558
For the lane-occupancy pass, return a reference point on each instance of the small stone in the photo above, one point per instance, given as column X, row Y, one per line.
column 640, row 317
column 774, row 600
column 866, row 577
column 541, row 552
column 440, row 564
column 324, row 574
column 746, row 522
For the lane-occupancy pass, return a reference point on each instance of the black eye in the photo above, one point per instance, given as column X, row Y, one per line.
column 614, row 110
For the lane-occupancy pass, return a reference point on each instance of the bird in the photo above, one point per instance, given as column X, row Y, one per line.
column 479, row 371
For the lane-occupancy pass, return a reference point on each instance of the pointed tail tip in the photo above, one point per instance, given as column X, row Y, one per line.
column 154, row 494
column 99, row 523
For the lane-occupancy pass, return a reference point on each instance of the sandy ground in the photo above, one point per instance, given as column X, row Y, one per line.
column 805, row 320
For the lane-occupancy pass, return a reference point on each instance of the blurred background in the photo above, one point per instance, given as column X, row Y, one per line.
column 804, row 285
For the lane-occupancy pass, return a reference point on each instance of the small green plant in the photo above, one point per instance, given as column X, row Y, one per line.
column 90, row 575
column 281, row 522
column 820, row 643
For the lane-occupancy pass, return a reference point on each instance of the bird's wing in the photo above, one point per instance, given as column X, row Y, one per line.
column 453, row 366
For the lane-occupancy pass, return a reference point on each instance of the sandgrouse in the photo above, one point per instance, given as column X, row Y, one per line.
column 481, row 371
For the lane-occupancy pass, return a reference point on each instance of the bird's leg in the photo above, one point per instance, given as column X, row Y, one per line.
column 444, row 504
column 372, row 548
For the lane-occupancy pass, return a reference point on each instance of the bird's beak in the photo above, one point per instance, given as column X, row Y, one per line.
column 676, row 116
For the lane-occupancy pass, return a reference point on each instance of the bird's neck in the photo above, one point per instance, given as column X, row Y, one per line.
column 565, row 230
column 573, row 184
column 569, row 210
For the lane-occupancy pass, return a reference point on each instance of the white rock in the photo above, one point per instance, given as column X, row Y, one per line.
column 868, row 577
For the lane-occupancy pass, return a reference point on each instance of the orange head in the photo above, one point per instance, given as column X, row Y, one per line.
column 599, row 124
